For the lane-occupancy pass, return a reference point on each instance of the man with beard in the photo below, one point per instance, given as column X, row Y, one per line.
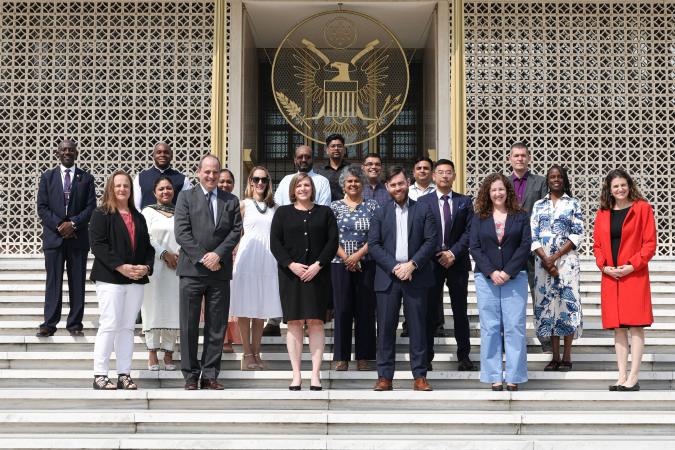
column 304, row 163
column 335, row 150
column 144, row 182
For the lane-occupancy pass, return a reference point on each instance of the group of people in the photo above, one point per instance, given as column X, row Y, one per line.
column 343, row 243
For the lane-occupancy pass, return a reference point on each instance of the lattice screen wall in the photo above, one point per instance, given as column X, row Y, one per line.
column 116, row 76
column 587, row 84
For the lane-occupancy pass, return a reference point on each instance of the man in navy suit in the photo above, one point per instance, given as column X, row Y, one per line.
column 452, row 213
column 66, row 198
column 402, row 240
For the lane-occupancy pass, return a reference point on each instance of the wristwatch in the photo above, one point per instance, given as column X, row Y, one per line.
column 163, row 254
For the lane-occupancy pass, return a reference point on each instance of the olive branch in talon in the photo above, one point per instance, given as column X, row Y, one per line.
column 292, row 109
column 390, row 106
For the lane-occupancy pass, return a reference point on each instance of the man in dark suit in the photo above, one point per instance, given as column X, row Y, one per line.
column 66, row 198
column 207, row 223
column 402, row 240
column 452, row 213
column 529, row 188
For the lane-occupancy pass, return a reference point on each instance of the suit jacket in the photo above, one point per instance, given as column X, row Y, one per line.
column 460, row 227
column 535, row 189
column 111, row 246
column 197, row 235
column 422, row 242
column 52, row 211
column 511, row 254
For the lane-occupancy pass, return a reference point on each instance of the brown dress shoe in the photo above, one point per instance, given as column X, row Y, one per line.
column 383, row 385
column 211, row 384
column 191, row 386
column 44, row 332
column 364, row 364
column 341, row 365
column 421, row 384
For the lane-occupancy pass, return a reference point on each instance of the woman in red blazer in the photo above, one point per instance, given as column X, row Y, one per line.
column 624, row 242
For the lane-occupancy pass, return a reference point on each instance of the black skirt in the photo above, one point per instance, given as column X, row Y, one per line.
column 303, row 301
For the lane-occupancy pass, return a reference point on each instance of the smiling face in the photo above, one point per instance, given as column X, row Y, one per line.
column 556, row 182
column 498, row 193
column 372, row 167
column 353, row 186
column 259, row 182
column 619, row 189
column 398, row 188
column 208, row 173
column 122, row 190
column 67, row 153
column 162, row 155
column 225, row 182
column 422, row 173
column 303, row 190
column 164, row 192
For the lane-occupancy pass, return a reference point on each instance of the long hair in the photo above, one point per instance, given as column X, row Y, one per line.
column 483, row 205
column 607, row 200
column 108, row 201
column 567, row 186
column 268, row 195
column 294, row 182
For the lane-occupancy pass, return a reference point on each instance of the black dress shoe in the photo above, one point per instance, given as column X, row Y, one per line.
column 633, row 388
column 512, row 387
column 294, row 388
column 45, row 332
column 315, row 388
column 76, row 333
column 613, row 387
column 466, row 365
column 498, row 388
column 211, row 384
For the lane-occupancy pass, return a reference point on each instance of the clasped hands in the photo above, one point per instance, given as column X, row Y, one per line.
column 548, row 263
column 66, row 230
column 445, row 258
column 133, row 271
column 211, row 261
column 499, row 277
column 404, row 271
column 618, row 271
column 304, row 272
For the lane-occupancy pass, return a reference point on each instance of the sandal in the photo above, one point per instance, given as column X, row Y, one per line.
column 103, row 383
column 565, row 366
column 248, row 366
column 260, row 363
column 125, row 382
column 553, row 366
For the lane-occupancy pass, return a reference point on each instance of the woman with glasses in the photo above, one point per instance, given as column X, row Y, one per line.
column 255, row 283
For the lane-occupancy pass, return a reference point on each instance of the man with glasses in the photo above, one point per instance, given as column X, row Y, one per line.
column 374, row 188
column 335, row 150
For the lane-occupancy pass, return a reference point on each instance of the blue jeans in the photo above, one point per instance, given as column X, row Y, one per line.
column 505, row 306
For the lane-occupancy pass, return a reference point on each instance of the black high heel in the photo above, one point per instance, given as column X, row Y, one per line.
column 315, row 388
column 295, row 388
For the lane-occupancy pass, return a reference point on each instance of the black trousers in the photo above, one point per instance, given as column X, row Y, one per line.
column 75, row 262
column 216, row 294
column 457, row 282
column 354, row 302
column 415, row 310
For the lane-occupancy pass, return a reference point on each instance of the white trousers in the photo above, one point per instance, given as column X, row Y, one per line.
column 161, row 339
column 118, row 305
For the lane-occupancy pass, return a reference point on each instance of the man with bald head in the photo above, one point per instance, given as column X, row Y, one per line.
column 145, row 180
column 208, row 224
column 304, row 163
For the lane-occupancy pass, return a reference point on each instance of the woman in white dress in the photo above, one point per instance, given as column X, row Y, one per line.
column 255, row 283
column 160, row 300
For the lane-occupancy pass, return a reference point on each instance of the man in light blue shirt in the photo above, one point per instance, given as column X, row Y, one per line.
column 304, row 163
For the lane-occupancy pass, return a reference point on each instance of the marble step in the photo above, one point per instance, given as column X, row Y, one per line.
column 302, row 422
column 269, row 379
column 337, row 400
column 171, row 441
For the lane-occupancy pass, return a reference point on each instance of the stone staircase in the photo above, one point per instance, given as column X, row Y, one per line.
column 46, row 400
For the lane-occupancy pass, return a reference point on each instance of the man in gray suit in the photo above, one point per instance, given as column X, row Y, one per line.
column 529, row 188
column 208, row 224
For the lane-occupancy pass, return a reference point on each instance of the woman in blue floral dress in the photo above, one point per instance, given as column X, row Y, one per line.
column 557, row 233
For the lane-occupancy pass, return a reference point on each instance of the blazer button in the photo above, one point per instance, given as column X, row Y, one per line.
column 305, row 233
column 499, row 248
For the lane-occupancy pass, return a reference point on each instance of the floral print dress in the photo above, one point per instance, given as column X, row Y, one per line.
column 557, row 308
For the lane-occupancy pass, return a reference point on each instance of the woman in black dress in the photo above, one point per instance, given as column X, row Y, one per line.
column 304, row 240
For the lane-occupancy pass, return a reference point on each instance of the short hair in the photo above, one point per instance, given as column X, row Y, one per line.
column 160, row 179
column 484, row 206
column 205, row 157
column 372, row 155
column 108, row 202
column 268, row 195
column 519, row 144
column 333, row 137
column 567, row 186
column 351, row 171
column 67, row 141
column 424, row 158
column 228, row 171
column 393, row 171
column 161, row 143
column 607, row 200
column 298, row 177
column 446, row 162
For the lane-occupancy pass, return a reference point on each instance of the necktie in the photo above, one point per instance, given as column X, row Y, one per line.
column 67, row 184
column 208, row 200
column 447, row 219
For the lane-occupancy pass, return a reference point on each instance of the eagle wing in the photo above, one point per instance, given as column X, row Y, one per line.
column 374, row 68
column 306, row 64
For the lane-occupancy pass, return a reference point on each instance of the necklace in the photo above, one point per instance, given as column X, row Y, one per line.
column 260, row 210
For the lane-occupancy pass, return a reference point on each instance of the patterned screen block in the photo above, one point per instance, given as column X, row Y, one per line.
column 115, row 76
column 587, row 84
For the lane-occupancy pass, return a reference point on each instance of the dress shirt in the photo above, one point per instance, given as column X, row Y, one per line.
column 321, row 185
column 187, row 184
column 379, row 193
column 333, row 176
column 519, row 185
column 214, row 201
column 63, row 173
column 441, row 202
column 415, row 192
column 401, row 232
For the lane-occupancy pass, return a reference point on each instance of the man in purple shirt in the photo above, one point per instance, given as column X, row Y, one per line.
column 374, row 189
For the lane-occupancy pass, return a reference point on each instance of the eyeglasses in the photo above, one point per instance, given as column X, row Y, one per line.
column 372, row 164
column 263, row 180
column 336, row 146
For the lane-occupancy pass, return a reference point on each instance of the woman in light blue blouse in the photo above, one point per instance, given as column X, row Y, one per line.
column 353, row 273
column 557, row 232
